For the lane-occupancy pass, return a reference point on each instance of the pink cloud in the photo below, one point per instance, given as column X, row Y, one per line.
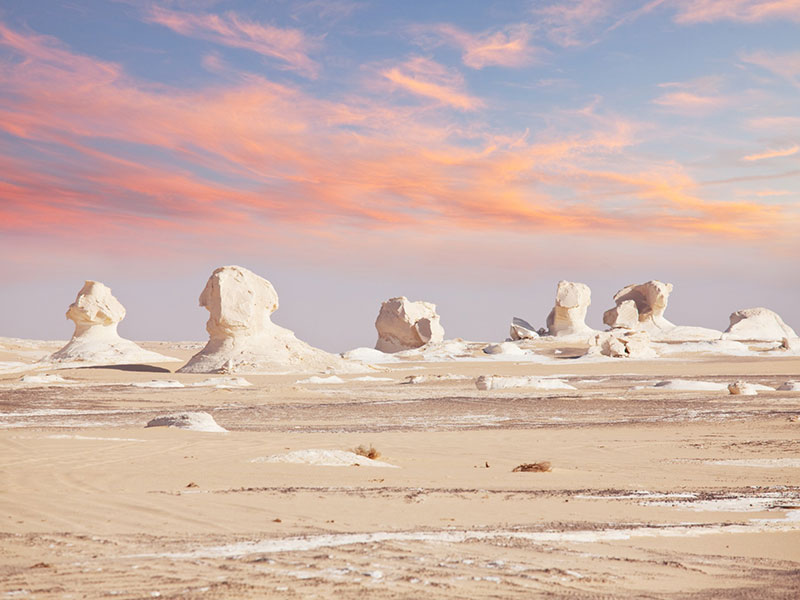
column 784, row 65
column 290, row 46
column 254, row 156
column 424, row 77
column 747, row 11
column 773, row 153
column 510, row 47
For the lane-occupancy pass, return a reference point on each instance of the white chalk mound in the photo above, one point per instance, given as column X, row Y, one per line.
column 96, row 313
column 243, row 338
column 504, row 348
column 569, row 313
column 324, row 458
column 689, row 385
column 404, row 325
column 789, row 386
column 194, row 421
column 522, row 330
column 622, row 343
column 743, row 388
column 760, row 324
column 496, row 382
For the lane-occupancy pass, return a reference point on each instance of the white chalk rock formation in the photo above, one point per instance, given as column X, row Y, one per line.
column 647, row 312
column 622, row 343
column 522, row 330
column 404, row 325
column 96, row 313
column 790, row 386
column 243, row 338
column 569, row 312
column 759, row 324
column 194, row 421
column 640, row 307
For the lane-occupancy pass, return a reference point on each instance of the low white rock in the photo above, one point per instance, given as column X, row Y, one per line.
column 158, row 383
column 496, row 382
column 44, row 379
column 315, row 379
column 222, row 382
column 790, row 386
column 690, row 385
column 522, row 330
column 622, row 343
column 507, row 348
column 742, row 388
column 324, row 458
column 759, row 324
column 194, row 421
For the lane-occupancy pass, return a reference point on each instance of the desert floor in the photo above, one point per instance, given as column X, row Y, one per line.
column 652, row 493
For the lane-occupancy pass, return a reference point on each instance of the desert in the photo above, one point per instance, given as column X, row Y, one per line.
column 527, row 468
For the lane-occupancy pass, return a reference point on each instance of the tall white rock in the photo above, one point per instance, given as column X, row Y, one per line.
column 96, row 314
column 404, row 325
column 242, row 336
column 569, row 313
column 759, row 324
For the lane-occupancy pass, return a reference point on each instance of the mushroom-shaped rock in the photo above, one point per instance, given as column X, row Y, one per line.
column 569, row 312
column 96, row 314
column 759, row 324
column 404, row 325
column 243, row 338
column 622, row 343
column 522, row 330
column 650, row 302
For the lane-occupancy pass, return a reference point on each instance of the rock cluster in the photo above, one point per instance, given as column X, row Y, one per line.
column 404, row 325
column 640, row 307
column 622, row 343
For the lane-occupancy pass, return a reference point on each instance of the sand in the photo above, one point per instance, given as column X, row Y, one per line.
column 657, row 493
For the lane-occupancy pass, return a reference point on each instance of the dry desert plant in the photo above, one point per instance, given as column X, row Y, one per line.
column 370, row 452
column 537, row 467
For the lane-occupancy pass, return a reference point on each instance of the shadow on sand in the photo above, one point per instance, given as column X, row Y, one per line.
column 136, row 368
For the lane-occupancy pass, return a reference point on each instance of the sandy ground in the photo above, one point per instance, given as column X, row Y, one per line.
column 652, row 493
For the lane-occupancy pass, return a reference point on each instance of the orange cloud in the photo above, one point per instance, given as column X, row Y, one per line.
column 290, row 46
column 508, row 48
column 107, row 153
column 424, row 77
column 773, row 153
column 747, row 11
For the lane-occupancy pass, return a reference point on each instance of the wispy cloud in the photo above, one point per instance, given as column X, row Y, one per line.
column 773, row 153
column 746, row 11
column 105, row 151
column 510, row 47
column 427, row 78
column 784, row 65
column 289, row 46
column 566, row 23
column 696, row 97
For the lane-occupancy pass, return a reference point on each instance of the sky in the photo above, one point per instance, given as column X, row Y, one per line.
column 467, row 153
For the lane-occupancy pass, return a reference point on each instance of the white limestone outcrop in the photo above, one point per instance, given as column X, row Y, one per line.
column 242, row 336
column 96, row 314
column 569, row 313
column 759, row 324
column 522, row 330
column 193, row 421
column 404, row 325
column 622, row 343
column 640, row 307
column 647, row 311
